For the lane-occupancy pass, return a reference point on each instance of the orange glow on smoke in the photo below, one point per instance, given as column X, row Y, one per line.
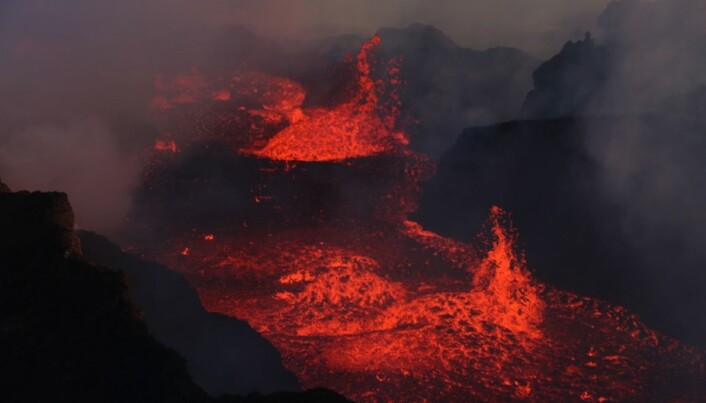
column 358, row 127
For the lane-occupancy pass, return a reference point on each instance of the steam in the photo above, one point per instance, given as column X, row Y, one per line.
column 647, row 61
column 655, row 55
column 82, row 159
column 653, row 167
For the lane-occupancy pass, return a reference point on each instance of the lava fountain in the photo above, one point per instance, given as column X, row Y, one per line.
column 358, row 127
column 296, row 219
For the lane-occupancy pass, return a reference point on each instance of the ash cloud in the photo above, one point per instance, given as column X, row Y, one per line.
column 652, row 164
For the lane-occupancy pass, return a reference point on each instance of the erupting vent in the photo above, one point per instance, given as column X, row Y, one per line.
column 367, row 302
column 359, row 127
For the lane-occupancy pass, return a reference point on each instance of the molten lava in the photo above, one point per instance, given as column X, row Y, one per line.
column 504, row 285
column 163, row 145
column 359, row 127
column 357, row 297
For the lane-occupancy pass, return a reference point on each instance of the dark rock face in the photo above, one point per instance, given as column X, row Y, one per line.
column 69, row 330
column 41, row 223
column 211, row 186
column 565, row 84
column 611, row 223
column 648, row 56
column 224, row 355
column 4, row 188
column 448, row 87
column 445, row 87
column 533, row 170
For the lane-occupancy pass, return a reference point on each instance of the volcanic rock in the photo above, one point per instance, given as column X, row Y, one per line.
column 447, row 87
column 647, row 56
column 564, row 84
column 69, row 329
column 583, row 215
column 223, row 354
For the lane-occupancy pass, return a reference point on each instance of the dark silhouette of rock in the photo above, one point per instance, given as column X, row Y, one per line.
column 69, row 329
column 565, row 84
column 445, row 87
column 4, row 188
column 648, row 54
column 448, row 87
column 223, row 354
column 627, row 229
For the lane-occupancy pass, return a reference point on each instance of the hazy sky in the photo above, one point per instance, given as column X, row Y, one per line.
column 538, row 26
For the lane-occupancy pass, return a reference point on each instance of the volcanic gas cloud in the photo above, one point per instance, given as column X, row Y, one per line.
column 294, row 218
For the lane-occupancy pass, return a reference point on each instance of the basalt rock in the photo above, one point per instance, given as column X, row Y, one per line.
column 70, row 329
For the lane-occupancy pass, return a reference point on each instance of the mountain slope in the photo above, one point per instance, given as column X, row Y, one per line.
column 70, row 331
column 224, row 355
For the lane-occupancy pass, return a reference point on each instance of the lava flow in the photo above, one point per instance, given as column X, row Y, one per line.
column 359, row 127
column 309, row 241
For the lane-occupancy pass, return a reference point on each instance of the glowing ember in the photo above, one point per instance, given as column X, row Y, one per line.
column 359, row 127
column 165, row 145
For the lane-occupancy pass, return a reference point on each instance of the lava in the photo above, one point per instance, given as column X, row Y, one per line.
column 504, row 284
column 165, row 145
column 361, row 126
column 357, row 297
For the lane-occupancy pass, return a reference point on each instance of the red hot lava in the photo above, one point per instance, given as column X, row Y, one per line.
column 379, row 309
column 359, row 127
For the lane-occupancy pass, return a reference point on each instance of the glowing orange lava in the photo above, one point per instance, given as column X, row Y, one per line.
column 359, row 127
column 407, row 315
column 504, row 285
column 373, row 305
column 165, row 145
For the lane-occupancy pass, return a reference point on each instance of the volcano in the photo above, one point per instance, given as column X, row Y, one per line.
column 295, row 218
